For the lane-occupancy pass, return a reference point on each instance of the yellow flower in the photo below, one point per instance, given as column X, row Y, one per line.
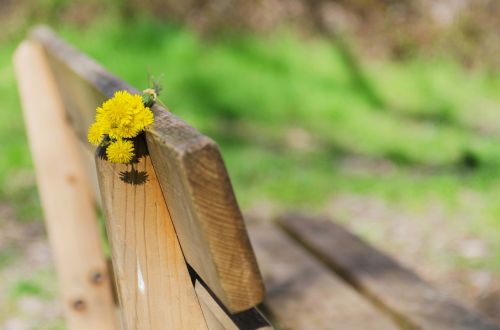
column 96, row 133
column 121, row 117
column 144, row 118
column 125, row 115
column 125, row 131
column 120, row 151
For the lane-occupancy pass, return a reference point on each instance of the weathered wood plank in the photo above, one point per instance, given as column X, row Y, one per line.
column 303, row 294
column 65, row 195
column 154, row 286
column 190, row 171
column 412, row 301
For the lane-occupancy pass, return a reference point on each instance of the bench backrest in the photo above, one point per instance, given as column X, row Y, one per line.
column 184, row 183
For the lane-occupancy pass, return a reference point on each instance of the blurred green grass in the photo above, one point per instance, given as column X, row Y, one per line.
column 287, row 113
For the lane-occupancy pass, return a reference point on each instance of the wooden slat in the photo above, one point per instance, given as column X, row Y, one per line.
column 218, row 317
column 209, row 222
column 154, row 286
column 412, row 301
column 190, row 171
column 303, row 294
column 87, row 160
column 65, row 195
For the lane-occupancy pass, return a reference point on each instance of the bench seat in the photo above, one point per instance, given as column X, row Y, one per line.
column 318, row 275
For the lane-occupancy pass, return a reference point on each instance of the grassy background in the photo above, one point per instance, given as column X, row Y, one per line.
column 299, row 121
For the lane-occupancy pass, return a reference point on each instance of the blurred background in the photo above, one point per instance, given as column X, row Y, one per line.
column 383, row 115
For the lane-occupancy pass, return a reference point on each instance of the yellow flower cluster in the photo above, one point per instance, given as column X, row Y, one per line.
column 122, row 117
column 120, row 151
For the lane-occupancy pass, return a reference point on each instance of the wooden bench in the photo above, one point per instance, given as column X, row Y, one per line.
column 181, row 255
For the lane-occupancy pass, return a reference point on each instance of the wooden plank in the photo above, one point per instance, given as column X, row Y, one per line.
column 190, row 171
column 303, row 294
column 87, row 160
column 411, row 301
column 218, row 317
column 65, row 195
column 154, row 286
column 209, row 222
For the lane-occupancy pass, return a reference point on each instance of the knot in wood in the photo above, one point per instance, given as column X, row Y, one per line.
column 79, row 305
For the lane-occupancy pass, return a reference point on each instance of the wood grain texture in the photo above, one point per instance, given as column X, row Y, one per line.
column 88, row 162
column 216, row 317
column 302, row 294
column 210, row 226
column 411, row 301
column 191, row 173
column 65, row 195
column 154, row 286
